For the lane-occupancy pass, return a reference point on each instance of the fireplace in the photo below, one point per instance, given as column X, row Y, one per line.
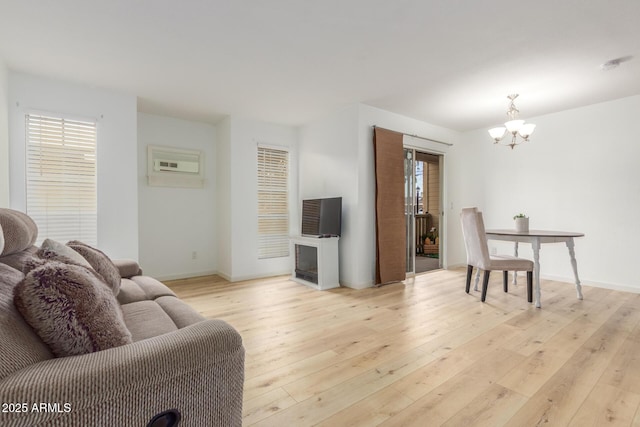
column 315, row 261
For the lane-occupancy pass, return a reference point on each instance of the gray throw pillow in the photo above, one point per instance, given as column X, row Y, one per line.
column 100, row 263
column 52, row 249
column 71, row 309
column 17, row 231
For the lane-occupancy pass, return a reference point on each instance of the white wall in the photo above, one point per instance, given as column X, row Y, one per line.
column 368, row 117
column 241, row 204
column 328, row 167
column 176, row 222
column 336, row 159
column 117, row 151
column 4, row 136
column 223, row 195
column 580, row 173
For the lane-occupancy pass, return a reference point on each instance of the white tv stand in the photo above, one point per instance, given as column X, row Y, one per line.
column 315, row 261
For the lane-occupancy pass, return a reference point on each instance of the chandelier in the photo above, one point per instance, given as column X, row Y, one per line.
column 516, row 127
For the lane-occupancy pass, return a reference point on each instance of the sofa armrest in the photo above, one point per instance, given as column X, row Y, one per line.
column 198, row 370
column 127, row 267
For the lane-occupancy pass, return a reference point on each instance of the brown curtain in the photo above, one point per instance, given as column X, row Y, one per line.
column 391, row 239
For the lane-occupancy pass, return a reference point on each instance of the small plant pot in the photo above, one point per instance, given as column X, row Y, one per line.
column 522, row 225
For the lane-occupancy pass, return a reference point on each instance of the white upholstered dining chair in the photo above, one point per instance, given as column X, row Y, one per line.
column 475, row 241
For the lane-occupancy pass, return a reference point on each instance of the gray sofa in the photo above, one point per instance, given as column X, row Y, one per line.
column 177, row 361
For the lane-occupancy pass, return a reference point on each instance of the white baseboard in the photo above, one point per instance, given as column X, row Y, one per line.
column 356, row 285
column 604, row 285
column 224, row 276
column 454, row 266
column 254, row 276
column 571, row 280
column 185, row 275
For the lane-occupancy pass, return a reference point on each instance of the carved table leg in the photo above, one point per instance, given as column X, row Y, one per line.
column 574, row 265
column 536, row 269
column 515, row 254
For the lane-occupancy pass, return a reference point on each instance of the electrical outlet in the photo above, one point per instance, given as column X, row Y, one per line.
column 194, row 255
column 493, row 251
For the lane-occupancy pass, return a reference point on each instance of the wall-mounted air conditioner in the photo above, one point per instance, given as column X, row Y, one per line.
column 174, row 167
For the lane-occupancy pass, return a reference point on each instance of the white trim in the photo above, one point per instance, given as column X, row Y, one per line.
column 572, row 281
column 424, row 145
column 67, row 116
column 234, row 279
column 424, row 138
column 612, row 286
column 186, row 275
column 363, row 285
column 273, row 147
column 455, row 266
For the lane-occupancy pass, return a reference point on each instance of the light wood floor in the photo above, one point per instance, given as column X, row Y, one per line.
column 425, row 353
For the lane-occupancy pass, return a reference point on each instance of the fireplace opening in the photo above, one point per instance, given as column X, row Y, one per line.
column 307, row 263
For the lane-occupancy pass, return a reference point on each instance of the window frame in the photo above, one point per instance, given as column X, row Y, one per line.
column 75, row 168
column 273, row 195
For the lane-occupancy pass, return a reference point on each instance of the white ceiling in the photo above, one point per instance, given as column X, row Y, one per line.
column 447, row 62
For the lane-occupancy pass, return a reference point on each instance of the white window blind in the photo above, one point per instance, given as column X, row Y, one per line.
column 273, row 203
column 61, row 178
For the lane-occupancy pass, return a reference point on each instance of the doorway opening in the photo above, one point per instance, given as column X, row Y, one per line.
column 423, row 210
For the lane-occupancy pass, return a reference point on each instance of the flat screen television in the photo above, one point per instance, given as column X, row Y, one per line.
column 322, row 217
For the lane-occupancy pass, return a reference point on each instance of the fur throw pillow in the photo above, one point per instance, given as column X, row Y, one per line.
column 57, row 251
column 71, row 309
column 100, row 263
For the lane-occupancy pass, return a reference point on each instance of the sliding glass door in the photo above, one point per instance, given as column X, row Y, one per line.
column 423, row 210
column 409, row 208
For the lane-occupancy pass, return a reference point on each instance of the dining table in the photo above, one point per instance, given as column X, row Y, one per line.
column 536, row 238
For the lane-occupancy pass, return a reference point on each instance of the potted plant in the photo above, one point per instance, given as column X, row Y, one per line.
column 423, row 241
column 430, row 242
column 433, row 235
column 522, row 223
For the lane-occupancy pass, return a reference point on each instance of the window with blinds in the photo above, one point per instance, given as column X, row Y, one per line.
column 61, row 178
column 273, row 203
